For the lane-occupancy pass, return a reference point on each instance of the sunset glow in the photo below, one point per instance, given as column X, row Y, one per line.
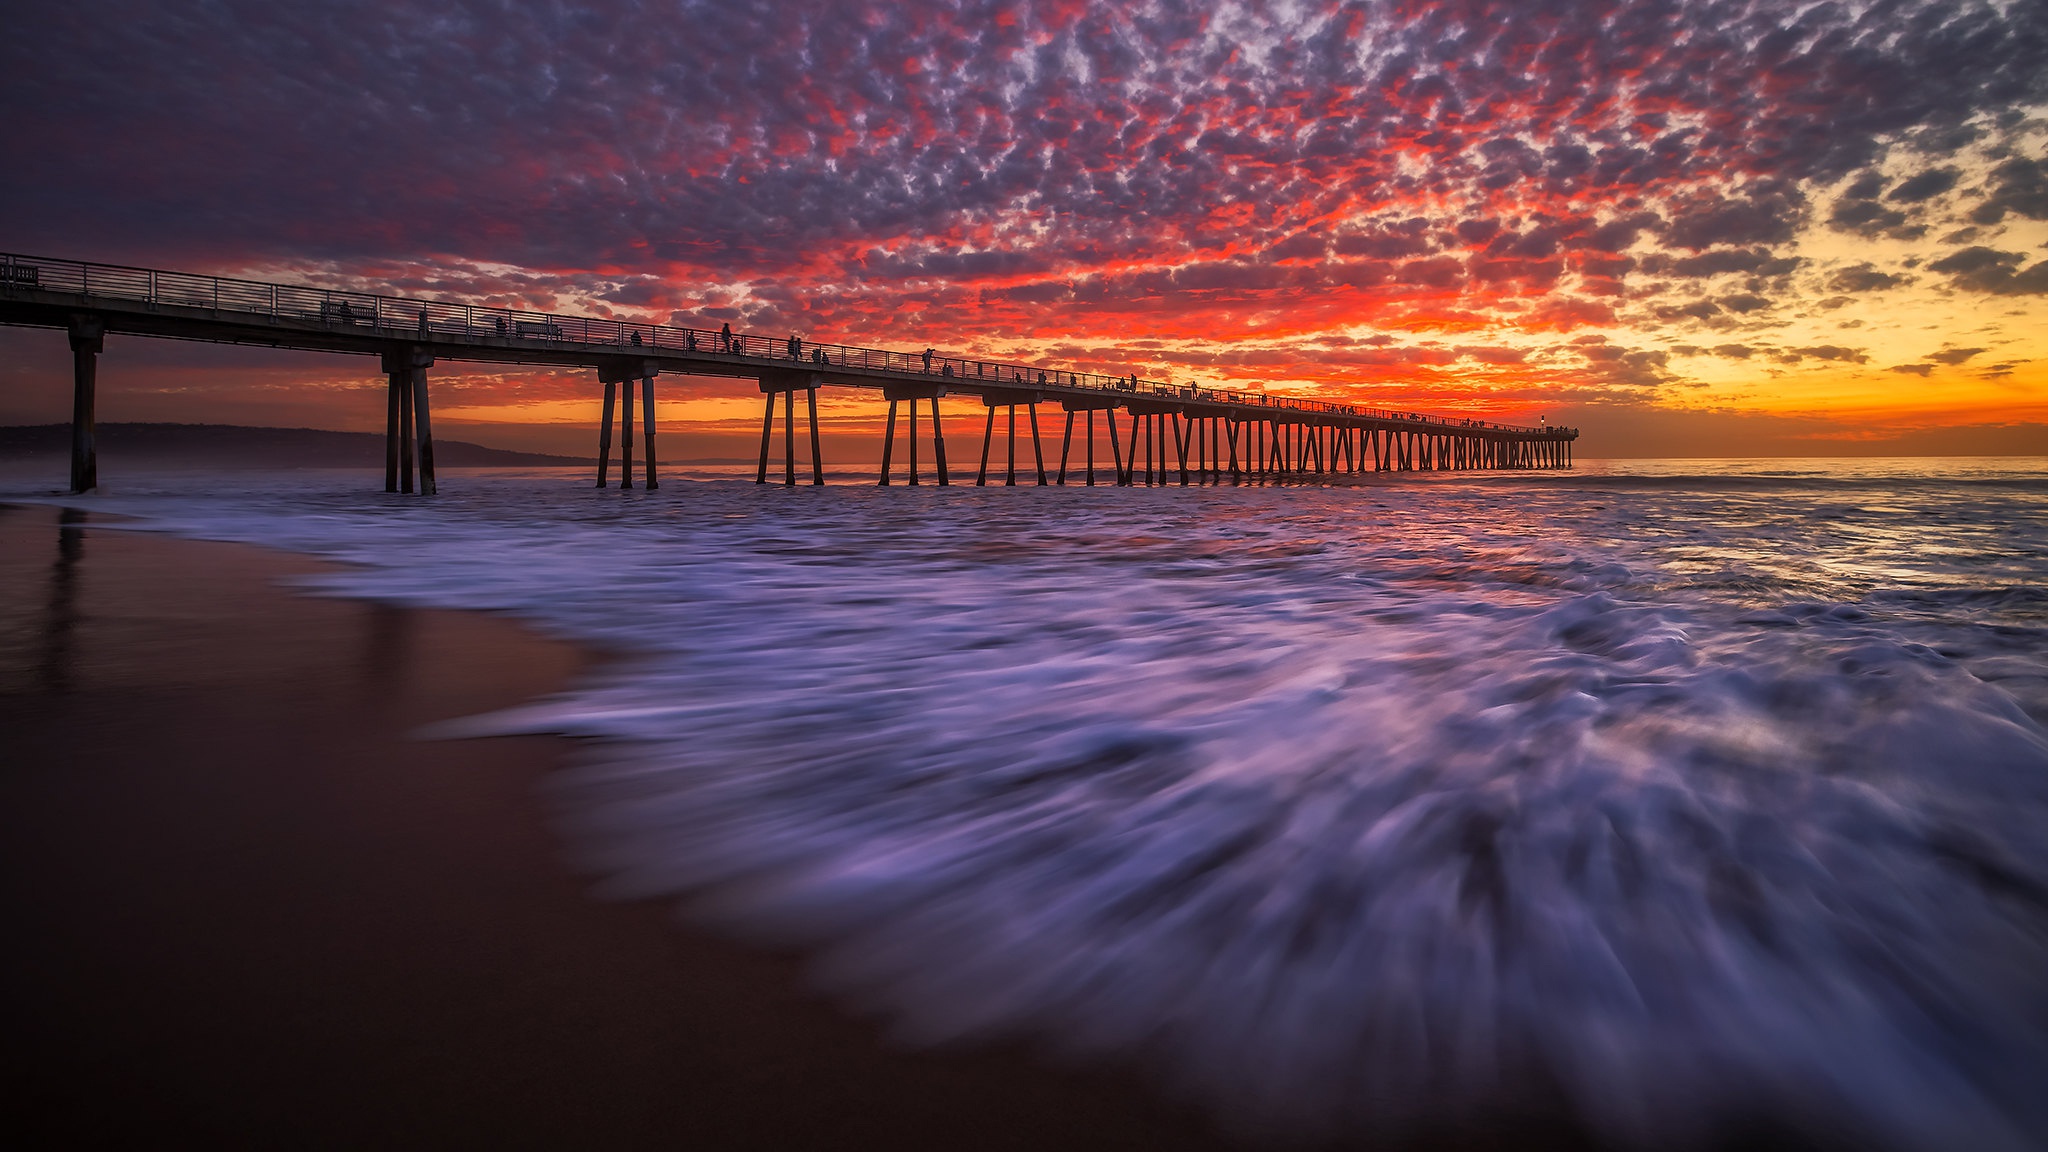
column 1612, row 214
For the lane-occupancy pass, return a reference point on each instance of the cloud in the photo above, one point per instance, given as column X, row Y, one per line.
column 1830, row 352
column 1952, row 356
column 1982, row 269
column 1744, row 302
column 2018, row 186
column 998, row 173
column 1864, row 278
column 1925, row 186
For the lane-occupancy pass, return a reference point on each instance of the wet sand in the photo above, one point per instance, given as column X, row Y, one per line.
column 243, row 908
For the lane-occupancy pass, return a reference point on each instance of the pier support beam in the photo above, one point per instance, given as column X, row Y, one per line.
column 888, row 444
column 912, row 393
column 394, row 398
column 408, row 428
column 647, row 426
column 817, row 452
column 938, row 442
column 1123, row 475
column 604, row 435
column 423, row 424
column 626, row 376
column 1089, row 405
column 1037, row 449
column 88, row 337
column 1149, row 423
column 787, row 383
column 1009, row 399
column 626, row 436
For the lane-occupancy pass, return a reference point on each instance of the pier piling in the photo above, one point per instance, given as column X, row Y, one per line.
column 888, row 444
column 1037, row 451
column 420, row 362
column 647, row 427
column 395, row 378
column 817, row 451
column 88, row 337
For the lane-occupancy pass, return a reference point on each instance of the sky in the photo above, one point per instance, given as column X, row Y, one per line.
column 1689, row 227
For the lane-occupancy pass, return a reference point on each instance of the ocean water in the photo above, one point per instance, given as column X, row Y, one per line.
column 1702, row 798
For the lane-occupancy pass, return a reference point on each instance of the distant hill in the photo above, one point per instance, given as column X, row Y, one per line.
column 236, row 446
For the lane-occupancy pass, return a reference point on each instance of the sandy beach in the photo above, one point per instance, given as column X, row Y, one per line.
column 244, row 908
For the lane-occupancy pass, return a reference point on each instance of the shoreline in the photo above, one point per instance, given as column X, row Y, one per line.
column 249, row 909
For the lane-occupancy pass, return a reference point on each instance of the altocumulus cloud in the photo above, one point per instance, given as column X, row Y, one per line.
column 1170, row 172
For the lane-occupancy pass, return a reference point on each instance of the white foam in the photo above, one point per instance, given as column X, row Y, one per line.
column 1344, row 810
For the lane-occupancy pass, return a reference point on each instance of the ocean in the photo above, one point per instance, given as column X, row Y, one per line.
column 1704, row 797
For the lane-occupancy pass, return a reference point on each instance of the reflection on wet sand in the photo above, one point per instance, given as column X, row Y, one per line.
column 1691, row 801
column 60, row 617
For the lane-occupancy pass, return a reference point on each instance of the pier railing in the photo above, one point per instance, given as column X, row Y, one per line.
column 399, row 317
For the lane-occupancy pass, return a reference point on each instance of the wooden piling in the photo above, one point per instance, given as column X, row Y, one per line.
column 88, row 337
column 405, row 440
column 1010, row 481
column 938, row 443
column 428, row 485
column 626, row 435
column 647, row 427
column 1091, row 443
column 1066, row 444
column 789, row 438
column 1037, row 451
column 604, row 434
column 768, row 429
column 988, row 435
column 888, row 444
column 913, row 440
column 1116, row 450
column 395, row 395
column 817, row 452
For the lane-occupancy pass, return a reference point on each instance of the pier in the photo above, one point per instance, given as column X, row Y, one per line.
column 1159, row 432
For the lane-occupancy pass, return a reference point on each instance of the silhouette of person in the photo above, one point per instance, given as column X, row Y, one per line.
column 927, row 360
column 725, row 337
column 636, row 339
column 690, row 341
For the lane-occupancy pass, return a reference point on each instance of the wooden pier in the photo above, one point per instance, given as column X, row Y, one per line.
column 1159, row 433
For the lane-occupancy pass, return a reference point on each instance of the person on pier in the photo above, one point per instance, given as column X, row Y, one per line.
column 725, row 338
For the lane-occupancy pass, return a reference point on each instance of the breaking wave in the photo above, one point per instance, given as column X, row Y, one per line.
column 1696, row 807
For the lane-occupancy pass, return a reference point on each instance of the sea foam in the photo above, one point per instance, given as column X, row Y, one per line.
column 1698, row 803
